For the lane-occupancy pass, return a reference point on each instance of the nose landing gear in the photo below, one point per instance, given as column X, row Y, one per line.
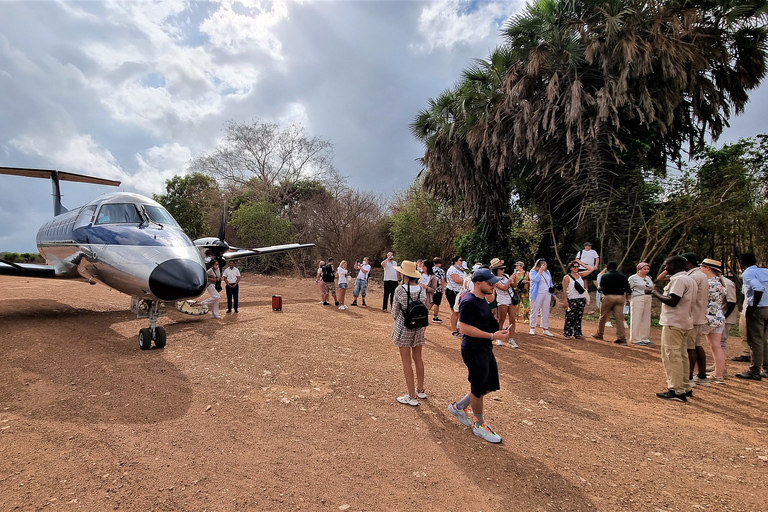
column 151, row 309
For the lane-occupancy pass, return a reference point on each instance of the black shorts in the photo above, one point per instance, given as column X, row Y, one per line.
column 451, row 296
column 437, row 298
column 482, row 372
column 590, row 277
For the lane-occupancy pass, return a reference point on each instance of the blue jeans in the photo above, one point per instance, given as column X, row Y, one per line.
column 360, row 286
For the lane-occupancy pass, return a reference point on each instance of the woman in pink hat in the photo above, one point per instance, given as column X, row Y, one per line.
column 640, row 306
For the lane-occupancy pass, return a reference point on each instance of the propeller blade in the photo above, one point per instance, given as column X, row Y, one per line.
column 223, row 226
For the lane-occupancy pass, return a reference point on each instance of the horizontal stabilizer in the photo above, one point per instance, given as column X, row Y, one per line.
column 63, row 176
column 8, row 268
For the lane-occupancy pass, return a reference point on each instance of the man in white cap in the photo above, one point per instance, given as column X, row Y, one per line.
column 479, row 328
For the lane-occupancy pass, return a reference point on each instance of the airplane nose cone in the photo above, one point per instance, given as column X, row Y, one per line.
column 177, row 279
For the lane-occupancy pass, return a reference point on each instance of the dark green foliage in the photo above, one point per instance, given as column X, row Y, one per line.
column 190, row 199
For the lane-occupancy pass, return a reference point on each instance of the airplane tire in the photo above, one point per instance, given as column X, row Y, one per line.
column 145, row 338
column 159, row 336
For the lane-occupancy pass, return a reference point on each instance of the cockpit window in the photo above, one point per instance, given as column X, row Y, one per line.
column 121, row 213
column 160, row 215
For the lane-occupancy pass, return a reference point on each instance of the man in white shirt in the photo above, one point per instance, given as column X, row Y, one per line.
column 361, row 283
column 588, row 258
column 390, row 279
column 231, row 275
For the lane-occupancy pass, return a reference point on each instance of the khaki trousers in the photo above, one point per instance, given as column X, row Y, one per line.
column 745, row 350
column 612, row 304
column 674, row 357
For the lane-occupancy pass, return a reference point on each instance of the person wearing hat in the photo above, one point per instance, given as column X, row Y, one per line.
column 506, row 298
column 697, row 357
column 479, row 328
column 640, row 305
column 409, row 341
column 676, row 305
column 756, row 314
column 713, row 329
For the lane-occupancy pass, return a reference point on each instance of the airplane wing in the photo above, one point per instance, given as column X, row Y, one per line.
column 235, row 253
column 8, row 268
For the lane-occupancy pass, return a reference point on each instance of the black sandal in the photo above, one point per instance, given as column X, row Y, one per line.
column 456, row 333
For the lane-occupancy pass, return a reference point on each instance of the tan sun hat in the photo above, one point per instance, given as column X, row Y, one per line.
column 496, row 263
column 713, row 264
column 408, row 268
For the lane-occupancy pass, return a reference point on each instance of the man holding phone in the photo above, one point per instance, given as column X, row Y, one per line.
column 479, row 328
column 390, row 279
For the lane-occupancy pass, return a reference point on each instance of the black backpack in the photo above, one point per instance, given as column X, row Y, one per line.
column 328, row 276
column 416, row 314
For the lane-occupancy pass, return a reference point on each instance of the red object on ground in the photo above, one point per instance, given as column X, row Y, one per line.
column 277, row 303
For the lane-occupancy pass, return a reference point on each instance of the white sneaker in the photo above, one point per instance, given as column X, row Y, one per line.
column 532, row 332
column 407, row 400
column 547, row 333
column 321, row 302
column 512, row 343
column 499, row 342
column 608, row 324
column 421, row 394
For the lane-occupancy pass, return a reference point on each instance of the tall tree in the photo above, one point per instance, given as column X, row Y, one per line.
column 191, row 200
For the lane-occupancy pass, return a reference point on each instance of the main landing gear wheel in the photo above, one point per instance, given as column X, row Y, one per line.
column 145, row 338
column 159, row 336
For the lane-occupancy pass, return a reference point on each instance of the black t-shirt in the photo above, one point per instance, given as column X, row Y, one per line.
column 477, row 313
column 614, row 282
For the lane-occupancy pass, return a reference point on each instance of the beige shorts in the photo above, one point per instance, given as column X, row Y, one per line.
column 694, row 337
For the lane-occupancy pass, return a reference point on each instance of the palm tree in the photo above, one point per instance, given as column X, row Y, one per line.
column 585, row 95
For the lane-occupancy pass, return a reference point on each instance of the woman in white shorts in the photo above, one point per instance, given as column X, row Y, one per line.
column 713, row 329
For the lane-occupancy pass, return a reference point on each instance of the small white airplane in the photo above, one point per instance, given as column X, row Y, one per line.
column 129, row 243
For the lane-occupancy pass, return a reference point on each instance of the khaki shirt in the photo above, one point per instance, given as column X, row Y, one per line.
column 730, row 296
column 680, row 316
column 701, row 301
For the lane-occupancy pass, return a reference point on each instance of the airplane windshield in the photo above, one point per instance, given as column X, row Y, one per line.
column 160, row 215
column 121, row 213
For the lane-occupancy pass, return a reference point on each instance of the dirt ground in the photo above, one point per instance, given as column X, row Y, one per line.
column 296, row 411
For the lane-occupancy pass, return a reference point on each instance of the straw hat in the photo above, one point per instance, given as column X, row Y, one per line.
column 408, row 268
column 497, row 263
column 713, row 264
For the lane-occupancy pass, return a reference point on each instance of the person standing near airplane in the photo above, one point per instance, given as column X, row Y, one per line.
column 214, row 279
column 231, row 275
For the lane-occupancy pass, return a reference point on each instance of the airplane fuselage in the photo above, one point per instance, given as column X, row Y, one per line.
column 128, row 242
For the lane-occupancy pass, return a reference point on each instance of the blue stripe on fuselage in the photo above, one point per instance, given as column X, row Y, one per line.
column 131, row 234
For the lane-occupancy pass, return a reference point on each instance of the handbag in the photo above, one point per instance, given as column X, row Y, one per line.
column 217, row 285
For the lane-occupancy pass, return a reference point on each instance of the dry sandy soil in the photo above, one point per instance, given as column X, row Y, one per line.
column 297, row 410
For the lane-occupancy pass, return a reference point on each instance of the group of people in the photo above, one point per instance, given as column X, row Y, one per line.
column 327, row 276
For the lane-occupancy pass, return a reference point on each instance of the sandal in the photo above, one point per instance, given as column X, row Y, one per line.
column 456, row 333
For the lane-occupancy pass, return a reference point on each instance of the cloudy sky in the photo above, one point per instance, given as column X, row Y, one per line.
column 134, row 90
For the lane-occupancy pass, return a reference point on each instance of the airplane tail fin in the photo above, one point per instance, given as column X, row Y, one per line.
column 55, row 177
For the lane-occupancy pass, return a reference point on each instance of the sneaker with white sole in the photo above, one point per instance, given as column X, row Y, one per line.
column 436, row 320
column 547, row 333
column 532, row 332
column 421, row 394
column 485, row 431
column 407, row 400
column 499, row 342
column 461, row 414
column 512, row 343
column 701, row 381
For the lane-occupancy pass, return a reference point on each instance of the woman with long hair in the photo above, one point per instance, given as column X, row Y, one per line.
column 342, row 273
column 522, row 283
column 214, row 277
column 574, row 299
column 428, row 281
column 541, row 292
column 409, row 341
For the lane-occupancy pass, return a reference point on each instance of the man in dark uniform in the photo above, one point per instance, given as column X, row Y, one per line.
column 616, row 290
column 479, row 328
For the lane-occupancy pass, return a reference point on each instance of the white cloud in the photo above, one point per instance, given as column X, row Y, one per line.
column 453, row 22
column 74, row 152
column 242, row 24
column 158, row 164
